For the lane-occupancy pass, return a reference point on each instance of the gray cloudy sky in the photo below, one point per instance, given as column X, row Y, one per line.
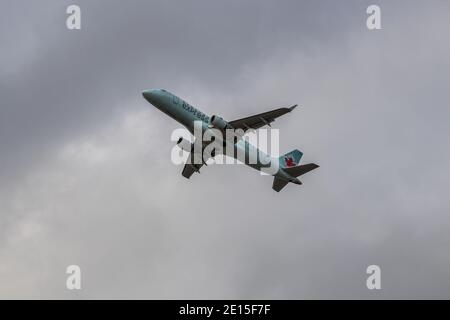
column 85, row 171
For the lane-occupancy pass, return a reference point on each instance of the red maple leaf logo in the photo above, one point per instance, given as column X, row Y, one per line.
column 289, row 162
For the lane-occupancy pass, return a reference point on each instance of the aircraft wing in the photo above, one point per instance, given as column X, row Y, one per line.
column 260, row 120
column 189, row 169
column 193, row 164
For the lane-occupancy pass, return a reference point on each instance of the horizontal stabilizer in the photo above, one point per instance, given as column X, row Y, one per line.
column 300, row 170
column 279, row 184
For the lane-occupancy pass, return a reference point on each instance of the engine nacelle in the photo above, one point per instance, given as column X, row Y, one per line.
column 219, row 123
column 184, row 144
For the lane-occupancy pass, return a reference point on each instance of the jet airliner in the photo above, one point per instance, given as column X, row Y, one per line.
column 287, row 169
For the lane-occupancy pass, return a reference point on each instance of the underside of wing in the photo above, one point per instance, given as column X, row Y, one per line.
column 189, row 169
column 260, row 120
column 300, row 170
column 193, row 164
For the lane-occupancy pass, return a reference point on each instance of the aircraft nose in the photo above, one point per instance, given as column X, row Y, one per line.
column 147, row 94
column 152, row 95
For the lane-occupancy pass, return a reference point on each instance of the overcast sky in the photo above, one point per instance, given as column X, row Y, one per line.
column 85, row 170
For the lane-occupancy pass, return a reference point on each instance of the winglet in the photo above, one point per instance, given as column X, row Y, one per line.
column 292, row 108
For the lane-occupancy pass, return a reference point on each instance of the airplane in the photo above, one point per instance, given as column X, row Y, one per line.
column 288, row 169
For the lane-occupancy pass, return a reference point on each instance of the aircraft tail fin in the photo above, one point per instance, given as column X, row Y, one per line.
column 290, row 159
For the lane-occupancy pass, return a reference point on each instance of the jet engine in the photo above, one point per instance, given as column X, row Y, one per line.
column 184, row 144
column 219, row 123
